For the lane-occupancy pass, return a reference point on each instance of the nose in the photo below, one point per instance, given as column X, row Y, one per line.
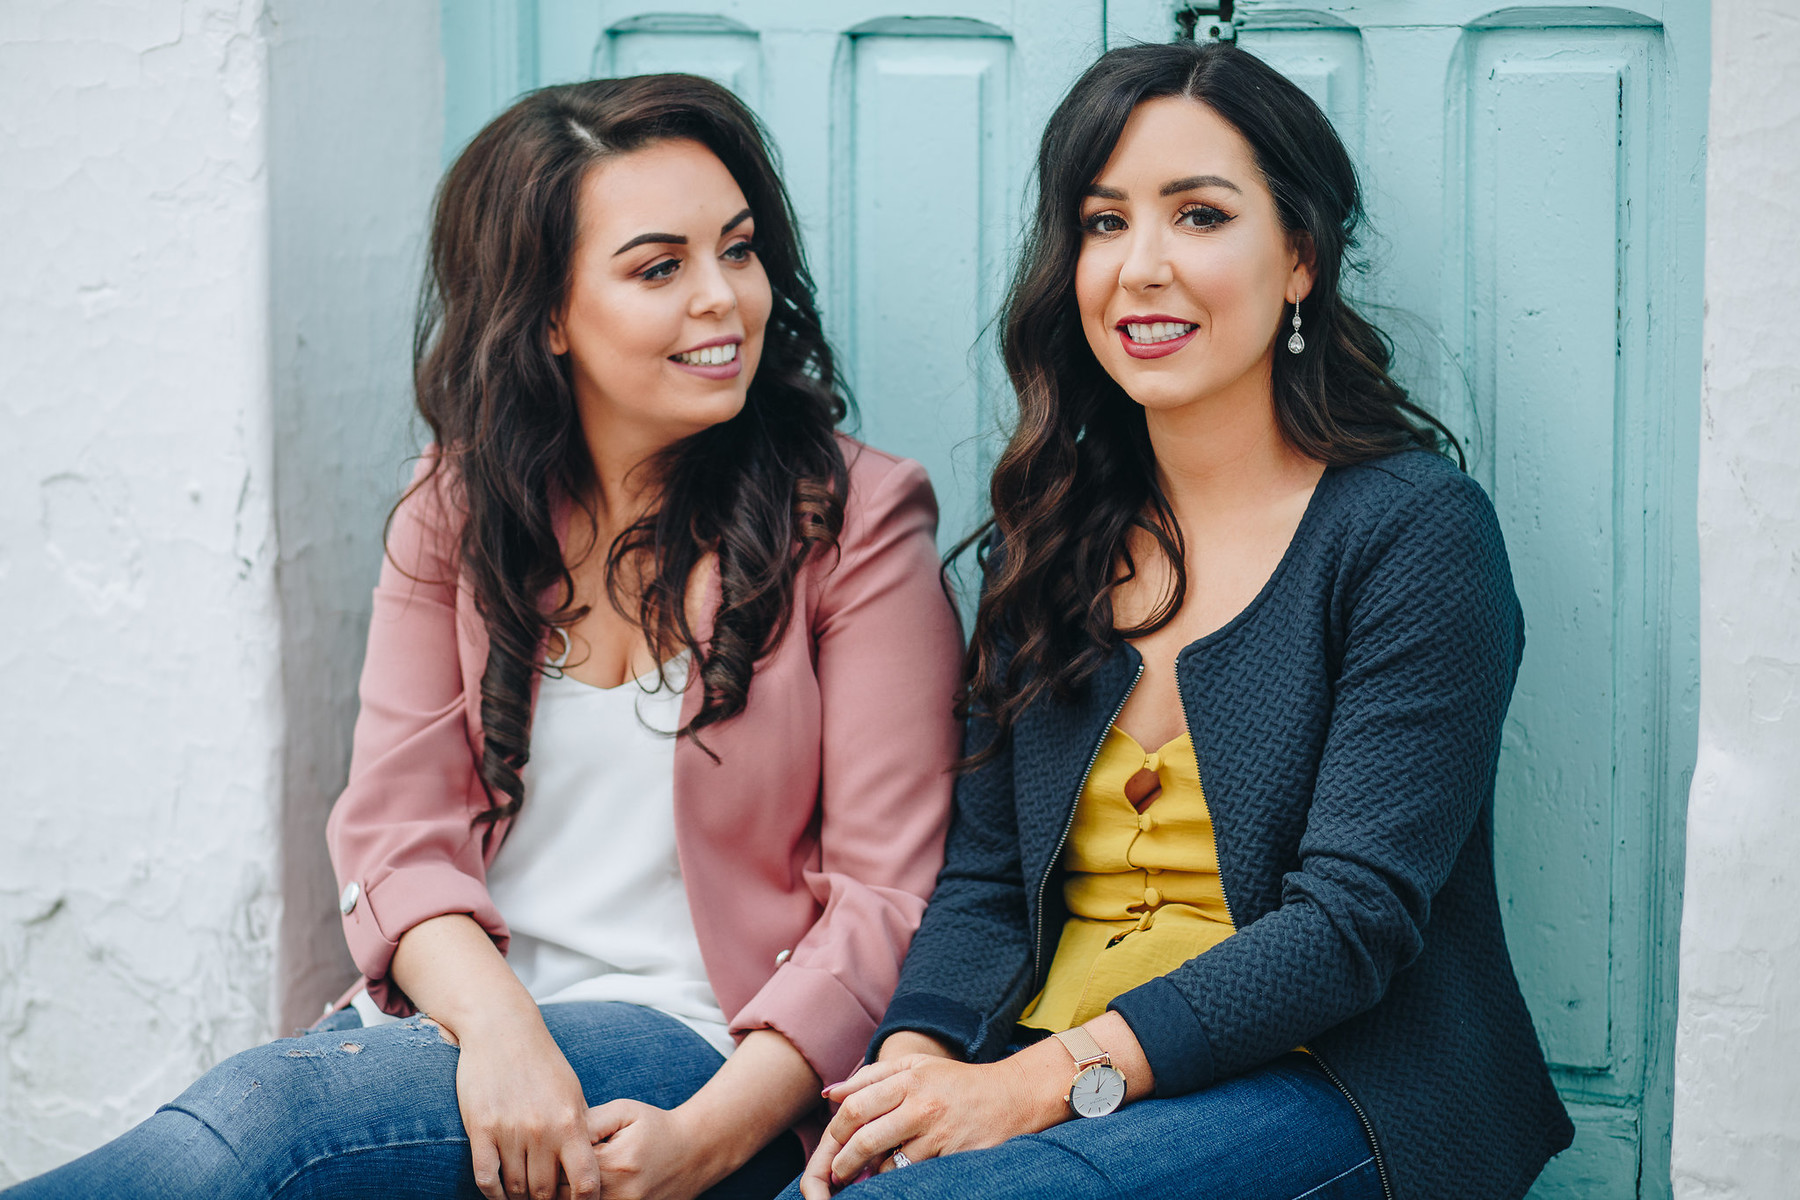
column 713, row 295
column 1146, row 266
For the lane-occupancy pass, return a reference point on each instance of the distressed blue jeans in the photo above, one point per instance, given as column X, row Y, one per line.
column 1282, row 1132
column 343, row 1111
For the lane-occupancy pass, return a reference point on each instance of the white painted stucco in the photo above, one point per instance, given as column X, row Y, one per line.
column 210, row 219
column 139, row 634
column 1737, row 1057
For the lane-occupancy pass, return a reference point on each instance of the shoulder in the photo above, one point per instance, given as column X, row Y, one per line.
column 883, row 486
column 1416, row 523
column 1409, row 478
column 1416, row 495
column 427, row 521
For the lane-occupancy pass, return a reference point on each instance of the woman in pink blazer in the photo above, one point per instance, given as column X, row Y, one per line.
column 650, row 780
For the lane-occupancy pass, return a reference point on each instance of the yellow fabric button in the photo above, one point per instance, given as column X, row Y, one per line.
column 1152, row 897
column 1146, row 822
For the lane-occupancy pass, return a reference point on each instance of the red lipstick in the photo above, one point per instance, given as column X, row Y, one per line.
column 1153, row 349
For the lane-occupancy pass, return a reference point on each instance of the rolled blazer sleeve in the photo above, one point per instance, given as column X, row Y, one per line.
column 888, row 653
column 401, row 832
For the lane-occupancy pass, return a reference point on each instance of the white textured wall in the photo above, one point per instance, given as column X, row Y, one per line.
column 355, row 144
column 1737, row 1057
column 140, row 708
column 210, row 221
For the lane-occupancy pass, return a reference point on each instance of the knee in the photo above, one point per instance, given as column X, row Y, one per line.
column 253, row 1096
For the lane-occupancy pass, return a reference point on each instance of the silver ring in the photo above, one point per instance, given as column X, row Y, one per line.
column 899, row 1157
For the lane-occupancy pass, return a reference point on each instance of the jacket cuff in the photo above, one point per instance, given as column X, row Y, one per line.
column 1171, row 1036
column 814, row 1010
column 949, row 1021
column 384, row 911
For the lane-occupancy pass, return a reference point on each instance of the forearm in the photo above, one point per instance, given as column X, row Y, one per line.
column 763, row 1088
column 451, row 970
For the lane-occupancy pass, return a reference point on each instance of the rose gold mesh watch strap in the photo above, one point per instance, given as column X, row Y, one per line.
column 1082, row 1047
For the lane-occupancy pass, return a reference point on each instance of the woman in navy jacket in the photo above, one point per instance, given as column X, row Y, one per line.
column 1219, row 524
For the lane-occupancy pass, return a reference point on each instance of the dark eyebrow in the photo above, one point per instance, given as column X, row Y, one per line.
column 667, row 239
column 1173, row 188
column 676, row 239
column 1177, row 186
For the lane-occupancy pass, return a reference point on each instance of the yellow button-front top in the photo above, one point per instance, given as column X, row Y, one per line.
column 1122, row 931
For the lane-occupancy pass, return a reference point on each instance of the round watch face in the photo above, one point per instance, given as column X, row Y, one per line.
column 1097, row 1091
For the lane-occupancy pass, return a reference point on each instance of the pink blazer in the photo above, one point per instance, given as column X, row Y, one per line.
column 808, row 850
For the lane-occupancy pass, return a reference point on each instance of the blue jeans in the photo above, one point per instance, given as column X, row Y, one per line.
column 344, row 1111
column 1279, row 1133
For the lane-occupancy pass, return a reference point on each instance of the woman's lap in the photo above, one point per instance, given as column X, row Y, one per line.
column 1279, row 1133
column 355, row 1111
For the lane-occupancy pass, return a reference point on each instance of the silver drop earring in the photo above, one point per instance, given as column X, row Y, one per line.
column 1296, row 343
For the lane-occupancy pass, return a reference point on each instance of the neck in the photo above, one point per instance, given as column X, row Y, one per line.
column 1225, row 452
column 625, row 484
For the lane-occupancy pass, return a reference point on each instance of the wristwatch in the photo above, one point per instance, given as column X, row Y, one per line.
column 1098, row 1087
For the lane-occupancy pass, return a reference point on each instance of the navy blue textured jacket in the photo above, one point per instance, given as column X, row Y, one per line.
column 1347, row 726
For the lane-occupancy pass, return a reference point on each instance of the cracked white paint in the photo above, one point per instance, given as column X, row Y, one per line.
column 1737, row 1053
column 205, row 301
column 140, row 702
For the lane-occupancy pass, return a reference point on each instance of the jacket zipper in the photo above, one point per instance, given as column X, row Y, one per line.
column 1387, row 1190
column 1037, row 946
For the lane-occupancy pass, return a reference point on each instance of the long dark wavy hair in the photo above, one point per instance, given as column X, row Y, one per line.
column 1078, row 474
column 763, row 490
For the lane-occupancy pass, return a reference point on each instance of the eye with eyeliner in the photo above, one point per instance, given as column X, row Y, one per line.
column 660, row 270
column 1092, row 225
column 1212, row 217
column 740, row 251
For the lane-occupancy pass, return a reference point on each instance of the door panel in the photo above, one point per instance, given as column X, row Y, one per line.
column 723, row 50
column 922, row 120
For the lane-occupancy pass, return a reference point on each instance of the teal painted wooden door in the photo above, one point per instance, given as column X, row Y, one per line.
column 1534, row 180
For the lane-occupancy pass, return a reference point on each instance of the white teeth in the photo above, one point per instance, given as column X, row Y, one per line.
column 711, row 356
column 1159, row 331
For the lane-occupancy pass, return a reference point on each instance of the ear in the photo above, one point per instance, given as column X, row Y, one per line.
column 559, row 341
column 1303, row 268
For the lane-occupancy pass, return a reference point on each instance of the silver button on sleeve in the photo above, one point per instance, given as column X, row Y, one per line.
column 783, row 957
column 352, row 893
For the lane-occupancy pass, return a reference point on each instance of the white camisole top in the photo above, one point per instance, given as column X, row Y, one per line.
column 587, row 879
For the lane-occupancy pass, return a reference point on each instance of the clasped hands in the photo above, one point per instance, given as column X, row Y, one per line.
column 919, row 1098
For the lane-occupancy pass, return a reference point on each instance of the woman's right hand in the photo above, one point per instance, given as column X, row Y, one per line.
column 521, row 1103
column 523, row 1110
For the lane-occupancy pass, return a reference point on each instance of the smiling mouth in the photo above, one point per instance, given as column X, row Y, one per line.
column 1157, row 331
column 707, row 356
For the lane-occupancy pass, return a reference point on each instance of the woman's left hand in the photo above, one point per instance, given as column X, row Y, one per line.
column 649, row 1153
column 929, row 1106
